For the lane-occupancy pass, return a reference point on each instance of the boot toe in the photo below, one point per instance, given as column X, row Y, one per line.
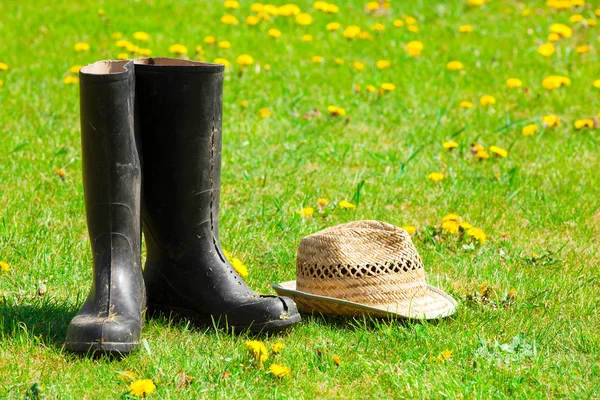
column 89, row 333
column 263, row 314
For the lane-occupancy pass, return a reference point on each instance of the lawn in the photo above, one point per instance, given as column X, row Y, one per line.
column 529, row 294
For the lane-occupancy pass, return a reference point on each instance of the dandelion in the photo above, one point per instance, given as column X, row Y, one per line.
column 444, row 355
column 450, row 145
column 555, row 81
column 382, row 64
column 122, row 56
column 307, row 38
column 258, row 350
column 82, row 46
column 277, row 347
column 358, row 65
column 365, row 35
column 244, row 60
column 413, row 28
column 304, row 19
column 264, row 112
column 351, row 32
column 279, row 370
column 178, row 49
column 232, row 4
column 116, row 35
column 465, row 225
column 584, row 123
column 398, row 23
column 123, row 43
column 71, row 80
column 1, row 82
column 371, row 88
column 410, row 229
column 450, row 217
column 465, row 28
column 244, row 103
column 596, row 83
column 388, row 87
column 339, row 61
column 450, row 226
column 477, row 234
column 547, row 49
column 575, row 18
column 372, row 5
column 414, row 48
column 229, row 19
column 144, row 52
column 274, row 33
column 476, row 2
column 336, row 111
column 378, row 27
column 347, row 205
column 551, row 120
column 252, row 20
column 333, row 26
column 306, row 212
column 61, row 172
column 336, row 360
column 223, row 61
column 454, row 66
column 466, row 104
column 210, row 40
column 582, row 49
column 141, row 36
column 529, row 130
column 561, row 30
column 410, row 20
column 239, row 267
column 75, row 69
column 257, row 7
column 498, row 151
column 514, row 83
column 553, row 37
column 4, row 267
column 487, row 100
column 436, row 176
column 288, row 10
column 142, row 387
column 224, row 44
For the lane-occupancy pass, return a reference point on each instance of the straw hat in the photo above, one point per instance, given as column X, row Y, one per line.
column 364, row 267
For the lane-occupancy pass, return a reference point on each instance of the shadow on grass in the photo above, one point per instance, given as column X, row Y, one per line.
column 40, row 320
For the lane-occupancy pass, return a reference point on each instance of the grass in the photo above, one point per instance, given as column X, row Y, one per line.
column 542, row 198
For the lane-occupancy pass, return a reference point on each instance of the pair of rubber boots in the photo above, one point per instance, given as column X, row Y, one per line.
column 151, row 154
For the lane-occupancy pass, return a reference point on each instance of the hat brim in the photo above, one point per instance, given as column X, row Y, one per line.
column 435, row 304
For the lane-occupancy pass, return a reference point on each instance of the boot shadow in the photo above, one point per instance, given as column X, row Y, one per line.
column 42, row 321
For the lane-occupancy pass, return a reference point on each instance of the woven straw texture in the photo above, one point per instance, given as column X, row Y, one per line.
column 368, row 263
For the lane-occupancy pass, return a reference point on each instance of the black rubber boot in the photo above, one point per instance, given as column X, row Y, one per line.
column 178, row 112
column 111, row 318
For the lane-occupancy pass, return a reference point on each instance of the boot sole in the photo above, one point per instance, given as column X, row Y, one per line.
column 111, row 348
column 182, row 314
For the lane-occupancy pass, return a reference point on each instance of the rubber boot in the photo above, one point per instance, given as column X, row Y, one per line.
column 111, row 318
column 178, row 111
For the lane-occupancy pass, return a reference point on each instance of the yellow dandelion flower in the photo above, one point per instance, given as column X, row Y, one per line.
column 413, row 28
column 482, row 154
column 178, row 49
column 339, row 61
column 245, row 60
column 584, row 123
column 331, row 8
column 274, row 33
column 277, row 347
column 288, row 10
column 333, row 26
column 358, row 65
column 322, row 202
column 223, row 61
column 252, row 20
column 526, row 12
column 336, row 360
column 410, row 21
column 239, row 266
column 575, row 18
column 61, row 172
column 258, row 350
column 224, row 44
column 547, row 49
column 555, row 81
column 596, row 83
column 551, row 120
column 436, row 176
column 116, row 35
column 591, row 22
column 476, row 2
column 304, row 19
column 414, row 45
column 307, row 38
column 514, row 83
column 244, row 103
column 210, row 40
column 144, row 52
column 71, row 80
column 466, row 104
column 264, row 112
column 465, row 28
column 553, row 37
column 529, row 130
column 317, row 59
column 398, row 23
column 279, row 370
column 382, row 64
column 122, row 56
column 371, row 88
column 498, row 151
column 477, row 234
column 141, row 387
column 257, row 7
column 365, row 35
column 450, row 145
column 582, row 49
column 561, row 30
column 306, row 212
column 142, row 36
column 444, row 355
column 351, row 32
column 487, row 100
column 75, row 69
column 229, row 19
column 378, row 27
column 82, row 46
column 336, row 111
column 347, row 205
column 388, row 87
column 232, row 4
column 465, row 225
column 373, row 5
column 1, row 82
column 450, row 217
column 123, row 43
column 450, row 226
column 454, row 66
column 4, row 267
column 410, row 229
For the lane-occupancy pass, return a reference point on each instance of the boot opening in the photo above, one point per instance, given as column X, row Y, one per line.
column 105, row 67
column 172, row 62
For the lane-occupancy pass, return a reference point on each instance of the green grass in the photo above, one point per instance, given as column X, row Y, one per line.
column 543, row 198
